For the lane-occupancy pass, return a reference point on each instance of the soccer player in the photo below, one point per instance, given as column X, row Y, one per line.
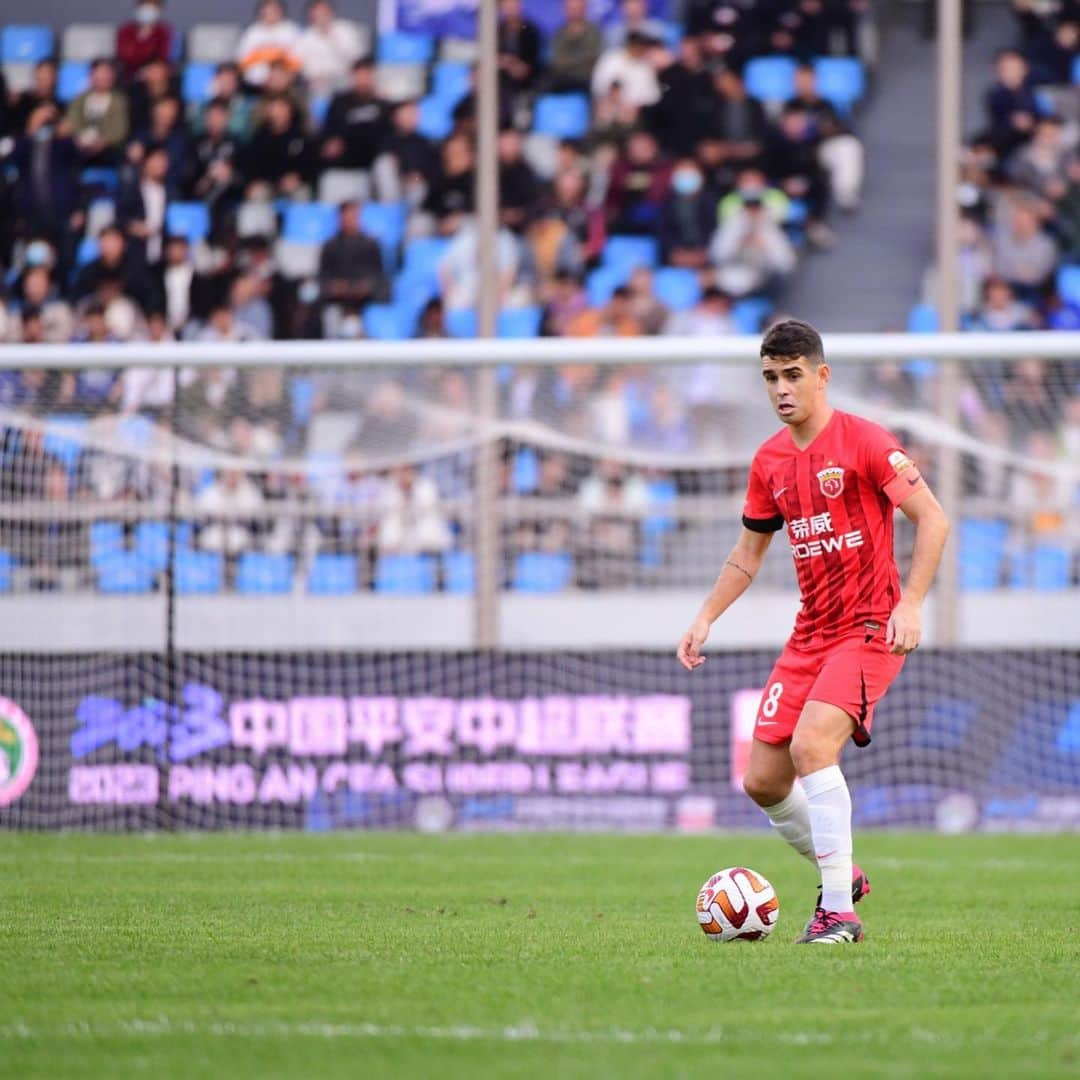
column 834, row 479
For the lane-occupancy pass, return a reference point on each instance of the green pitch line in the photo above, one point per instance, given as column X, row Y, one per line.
column 377, row 955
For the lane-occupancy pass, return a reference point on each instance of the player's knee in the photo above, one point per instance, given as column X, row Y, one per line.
column 811, row 751
column 764, row 790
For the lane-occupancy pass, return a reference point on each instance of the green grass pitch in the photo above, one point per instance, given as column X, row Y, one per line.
column 369, row 955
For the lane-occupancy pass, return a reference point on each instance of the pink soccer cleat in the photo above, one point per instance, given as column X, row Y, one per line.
column 832, row 928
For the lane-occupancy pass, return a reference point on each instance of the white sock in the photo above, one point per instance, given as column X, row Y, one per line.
column 830, row 824
column 791, row 819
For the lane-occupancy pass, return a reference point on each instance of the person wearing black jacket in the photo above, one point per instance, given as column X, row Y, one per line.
column 115, row 259
column 519, row 48
column 685, row 109
column 216, row 179
column 350, row 265
column 356, row 123
column 279, row 154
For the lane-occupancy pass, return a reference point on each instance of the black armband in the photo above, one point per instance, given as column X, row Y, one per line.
column 763, row 525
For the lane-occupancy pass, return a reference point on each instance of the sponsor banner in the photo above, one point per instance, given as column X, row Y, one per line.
column 457, row 18
column 476, row 741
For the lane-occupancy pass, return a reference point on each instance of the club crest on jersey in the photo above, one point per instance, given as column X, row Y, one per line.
column 831, row 480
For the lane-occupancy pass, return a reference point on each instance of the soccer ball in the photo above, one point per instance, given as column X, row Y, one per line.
column 737, row 904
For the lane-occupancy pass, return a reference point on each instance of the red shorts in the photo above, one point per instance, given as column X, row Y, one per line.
column 852, row 673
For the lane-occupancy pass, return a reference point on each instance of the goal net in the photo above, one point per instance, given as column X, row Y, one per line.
column 244, row 597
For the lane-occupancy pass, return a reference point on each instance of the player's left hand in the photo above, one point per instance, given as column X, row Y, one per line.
column 904, row 629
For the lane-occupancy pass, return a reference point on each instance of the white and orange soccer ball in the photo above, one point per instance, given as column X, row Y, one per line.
column 737, row 904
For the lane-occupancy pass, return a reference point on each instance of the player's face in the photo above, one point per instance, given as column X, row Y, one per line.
column 796, row 389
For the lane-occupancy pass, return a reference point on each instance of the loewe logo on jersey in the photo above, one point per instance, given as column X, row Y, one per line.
column 820, row 525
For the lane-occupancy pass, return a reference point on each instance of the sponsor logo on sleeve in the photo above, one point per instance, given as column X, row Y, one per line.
column 900, row 461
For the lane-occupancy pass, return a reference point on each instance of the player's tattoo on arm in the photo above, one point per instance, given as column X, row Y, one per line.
column 742, row 569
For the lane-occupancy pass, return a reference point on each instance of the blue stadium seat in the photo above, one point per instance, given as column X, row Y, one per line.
column 318, row 107
column 413, row 289
column 301, row 399
column 1045, row 567
column 601, row 283
column 264, row 574
column 384, row 222
column 199, row 572
column 152, row 543
column 1076, row 70
column 1041, row 755
column 87, row 251
column 461, row 322
column 188, row 219
column 405, row 574
column 797, row 212
column 7, row 564
column 423, row 255
column 126, row 572
column 64, row 439
column 101, row 177
column 923, row 319
column 519, row 322
column 197, row 83
column 677, row 287
column 459, row 572
column 309, row 223
column 982, row 552
column 1068, row 284
column 841, row 80
column 627, row 253
column 106, row 541
column 72, row 79
column 436, row 121
column 402, row 47
column 451, row 81
column 565, row 116
column 749, row 313
column 332, row 575
column 525, row 473
column 25, row 44
column 657, row 525
column 770, row 78
column 389, row 322
column 543, row 571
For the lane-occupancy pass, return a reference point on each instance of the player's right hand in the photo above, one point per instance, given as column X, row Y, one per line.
column 689, row 650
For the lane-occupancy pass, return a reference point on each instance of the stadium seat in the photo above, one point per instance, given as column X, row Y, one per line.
column 413, row 290
column 677, row 287
column 389, row 322
column 436, row 121
column 384, row 222
column 400, row 82
column 318, row 107
column 301, row 399
column 451, row 81
column 87, row 251
column 459, row 572
column 601, row 283
column 199, row 572
column 657, row 525
column 923, row 319
column 519, row 322
column 543, row 571
column 88, row 41
column 126, row 572
column 1068, row 284
column 152, row 543
column 542, row 154
column 344, row 185
column 25, row 44
column 100, row 177
column 423, row 255
column 256, row 218
column 7, row 565
column 1076, row 70
column 213, row 43
column 770, row 78
column 332, row 575
column 309, row 223
column 1045, row 567
column 982, row 552
column 64, row 439
column 405, row 574
column 461, row 322
column 627, row 253
column 841, row 80
column 19, row 77
column 188, row 219
column 749, row 313
column 402, row 47
column 106, row 541
column 566, row 116
column 72, row 78
column 264, row 574
column 297, row 260
column 525, row 473
column 459, row 50
column 197, row 83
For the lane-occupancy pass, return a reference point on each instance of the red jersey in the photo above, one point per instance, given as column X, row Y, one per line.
column 837, row 498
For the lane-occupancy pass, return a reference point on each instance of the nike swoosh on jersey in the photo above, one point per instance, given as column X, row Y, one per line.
column 777, row 494
column 766, row 723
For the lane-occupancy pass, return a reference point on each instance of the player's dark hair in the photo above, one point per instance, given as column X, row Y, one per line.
column 793, row 338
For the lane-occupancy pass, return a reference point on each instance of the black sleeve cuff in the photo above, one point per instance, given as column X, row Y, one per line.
column 763, row 525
